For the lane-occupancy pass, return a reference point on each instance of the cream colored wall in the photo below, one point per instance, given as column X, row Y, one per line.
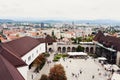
column 118, row 58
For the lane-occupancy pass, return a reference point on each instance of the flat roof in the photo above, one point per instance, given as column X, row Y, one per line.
column 102, row 58
column 86, row 43
column 76, row 53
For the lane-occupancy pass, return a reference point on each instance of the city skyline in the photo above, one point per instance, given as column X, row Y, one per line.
column 60, row 9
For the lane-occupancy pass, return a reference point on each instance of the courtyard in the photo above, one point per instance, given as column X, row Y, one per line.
column 76, row 69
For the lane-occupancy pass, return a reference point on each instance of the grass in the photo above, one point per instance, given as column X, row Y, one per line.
column 46, row 54
column 58, row 56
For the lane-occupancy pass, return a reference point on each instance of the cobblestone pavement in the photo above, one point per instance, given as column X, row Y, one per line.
column 90, row 69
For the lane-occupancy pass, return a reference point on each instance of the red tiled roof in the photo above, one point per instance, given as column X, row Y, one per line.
column 11, row 37
column 22, row 45
column 108, row 41
column 8, row 71
column 42, row 40
column 12, row 58
column 99, row 36
column 48, row 39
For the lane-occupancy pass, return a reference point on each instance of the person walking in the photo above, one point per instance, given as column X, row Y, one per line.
column 93, row 76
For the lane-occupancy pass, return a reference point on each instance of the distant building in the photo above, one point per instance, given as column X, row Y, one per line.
column 42, row 25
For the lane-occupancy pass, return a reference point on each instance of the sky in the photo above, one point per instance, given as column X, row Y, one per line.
column 61, row 9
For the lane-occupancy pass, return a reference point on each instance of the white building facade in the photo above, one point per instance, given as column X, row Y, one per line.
column 29, row 58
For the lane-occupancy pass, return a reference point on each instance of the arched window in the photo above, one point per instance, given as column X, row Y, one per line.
column 73, row 49
column 68, row 49
column 59, row 49
column 87, row 49
column 91, row 50
column 64, row 49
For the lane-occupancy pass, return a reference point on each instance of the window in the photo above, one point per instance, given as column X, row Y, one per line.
column 29, row 58
column 36, row 51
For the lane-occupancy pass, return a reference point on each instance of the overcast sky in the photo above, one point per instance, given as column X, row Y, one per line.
column 61, row 9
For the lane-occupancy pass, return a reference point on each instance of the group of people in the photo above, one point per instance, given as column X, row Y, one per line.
column 77, row 75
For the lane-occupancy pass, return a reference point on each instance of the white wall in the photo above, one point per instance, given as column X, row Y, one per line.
column 66, row 35
column 30, row 57
column 53, row 46
column 23, row 71
column 34, row 53
column 49, row 31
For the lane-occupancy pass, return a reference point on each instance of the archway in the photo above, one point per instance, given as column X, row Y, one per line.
column 68, row 49
column 64, row 49
column 91, row 50
column 73, row 49
column 50, row 49
column 59, row 49
column 87, row 49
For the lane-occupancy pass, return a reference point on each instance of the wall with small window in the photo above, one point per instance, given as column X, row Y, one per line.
column 34, row 53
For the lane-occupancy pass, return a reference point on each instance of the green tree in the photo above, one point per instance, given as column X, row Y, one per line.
column 74, row 40
column 79, row 39
column 80, row 49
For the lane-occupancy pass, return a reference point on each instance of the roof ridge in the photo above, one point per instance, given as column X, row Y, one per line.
column 21, row 46
column 12, row 53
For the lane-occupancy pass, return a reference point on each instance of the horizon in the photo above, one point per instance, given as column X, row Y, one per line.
column 96, row 21
column 54, row 19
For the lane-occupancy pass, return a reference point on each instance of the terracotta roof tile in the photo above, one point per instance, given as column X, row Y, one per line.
column 108, row 41
column 12, row 58
column 22, row 45
column 48, row 39
column 8, row 71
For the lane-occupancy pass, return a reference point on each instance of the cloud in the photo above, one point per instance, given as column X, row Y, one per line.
column 74, row 9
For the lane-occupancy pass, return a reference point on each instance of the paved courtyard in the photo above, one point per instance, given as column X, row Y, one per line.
column 89, row 68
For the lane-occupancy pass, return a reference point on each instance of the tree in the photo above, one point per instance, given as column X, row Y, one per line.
column 44, row 77
column 80, row 49
column 53, row 33
column 74, row 40
column 79, row 39
column 57, row 73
